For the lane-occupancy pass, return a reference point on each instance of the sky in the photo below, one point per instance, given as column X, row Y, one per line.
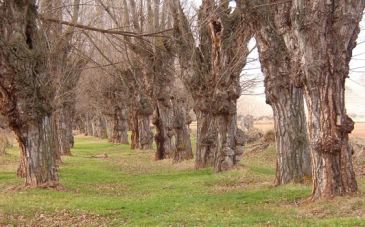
column 355, row 85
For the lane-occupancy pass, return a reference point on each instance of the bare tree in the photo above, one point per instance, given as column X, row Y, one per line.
column 214, row 67
column 281, row 67
column 327, row 33
column 25, row 92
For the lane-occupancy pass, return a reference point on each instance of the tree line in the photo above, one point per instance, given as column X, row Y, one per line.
column 106, row 67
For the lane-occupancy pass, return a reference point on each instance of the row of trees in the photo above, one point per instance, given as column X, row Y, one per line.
column 140, row 61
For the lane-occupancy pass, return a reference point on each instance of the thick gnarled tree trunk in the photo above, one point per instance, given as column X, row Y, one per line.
column 64, row 134
column 162, row 120
column 120, row 126
column 215, row 67
column 145, row 138
column 327, row 33
column 25, row 95
column 206, row 140
column 183, row 150
column 38, row 165
column 293, row 163
column 141, row 110
column 284, row 93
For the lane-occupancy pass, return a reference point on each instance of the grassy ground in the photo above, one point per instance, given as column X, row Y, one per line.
column 130, row 188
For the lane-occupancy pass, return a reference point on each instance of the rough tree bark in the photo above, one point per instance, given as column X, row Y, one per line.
column 64, row 68
column 120, row 126
column 25, row 97
column 141, row 111
column 156, row 79
column 88, row 125
column 285, row 95
column 163, row 116
column 65, row 138
column 215, row 67
column 327, row 33
column 182, row 136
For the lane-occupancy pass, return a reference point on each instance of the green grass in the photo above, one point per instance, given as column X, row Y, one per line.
column 130, row 188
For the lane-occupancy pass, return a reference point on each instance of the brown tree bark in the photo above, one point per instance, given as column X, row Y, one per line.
column 38, row 152
column 145, row 138
column 25, row 94
column 65, row 139
column 285, row 94
column 162, row 119
column 88, row 125
column 141, row 111
column 183, row 149
column 120, row 129
column 215, row 68
column 135, row 130
column 327, row 33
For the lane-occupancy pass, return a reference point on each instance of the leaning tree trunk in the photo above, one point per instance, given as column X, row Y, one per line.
column 38, row 164
column 183, row 149
column 280, row 67
column 327, row 33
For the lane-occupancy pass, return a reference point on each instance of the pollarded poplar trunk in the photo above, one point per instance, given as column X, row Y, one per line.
column 229, row 153
column 293, row 161
column 145, row 139
column 135, row 130
column 206, row 140
column 162, row 120
column 37, row 146
column 142, row 136
column 109, row 127
column 99, row 127
column 120, row 129
column 327, row 33
column 281, row 68
column 64, row 131
column 216, row 65
column 89, row 129
column 183, row 149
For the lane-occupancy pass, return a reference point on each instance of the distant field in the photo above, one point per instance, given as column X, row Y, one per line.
column 359, row 130
column 264, row 125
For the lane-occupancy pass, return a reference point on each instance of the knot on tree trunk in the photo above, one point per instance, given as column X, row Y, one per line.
column 328, row 144
column 225, row 162
column 240, row 137
column 347, row 124
column 144, row 107
column 209, row 138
